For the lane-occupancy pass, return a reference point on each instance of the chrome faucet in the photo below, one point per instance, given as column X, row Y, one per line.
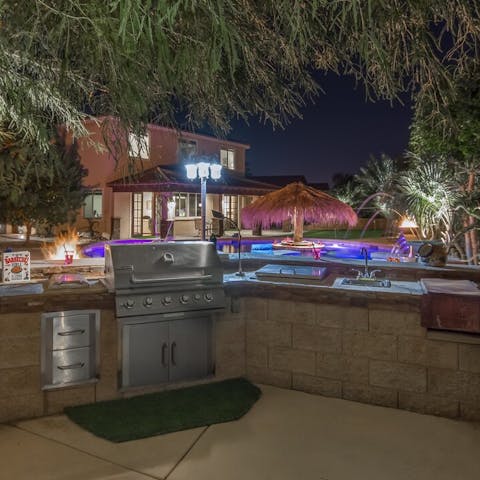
column 365, row 273
column 364, row 252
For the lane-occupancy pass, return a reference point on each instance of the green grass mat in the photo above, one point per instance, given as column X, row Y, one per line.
column 165, row 412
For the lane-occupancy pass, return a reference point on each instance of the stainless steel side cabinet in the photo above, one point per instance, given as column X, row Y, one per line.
column 70, row 347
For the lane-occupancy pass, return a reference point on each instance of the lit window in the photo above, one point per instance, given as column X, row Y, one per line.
column 93, row 204
column 230, row 206
column 187, row 204
column 138, row 146
column 227, row 158
column 186, row 149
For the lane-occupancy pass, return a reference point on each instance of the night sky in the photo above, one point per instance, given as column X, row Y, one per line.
column 337, row 134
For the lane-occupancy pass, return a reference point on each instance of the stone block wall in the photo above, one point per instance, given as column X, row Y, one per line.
column 229, row 342
column 376, row 353
column 21, row 395
column 362, row 349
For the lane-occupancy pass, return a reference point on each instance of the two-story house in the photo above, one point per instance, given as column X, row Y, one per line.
column 145, row 190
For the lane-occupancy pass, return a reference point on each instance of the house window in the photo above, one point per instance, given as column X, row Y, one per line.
column 187, row 205
column 93, row 204
column 186, row 149
column 227, row 158
column 230, row 207
column 138, row 146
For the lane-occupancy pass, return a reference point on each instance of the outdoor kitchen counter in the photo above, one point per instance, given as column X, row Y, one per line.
column 367, row 346
column 96, row 296
column 343, row 268
column 59, row 299
column 321, row 292
column 359, row 345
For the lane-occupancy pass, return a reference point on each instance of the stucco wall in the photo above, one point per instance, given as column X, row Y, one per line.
column 123, row 210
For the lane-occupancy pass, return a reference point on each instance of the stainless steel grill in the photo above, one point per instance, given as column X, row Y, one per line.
column 155, row 278
column 165, row 294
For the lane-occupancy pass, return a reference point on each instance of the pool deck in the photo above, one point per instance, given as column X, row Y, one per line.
column 286, row 435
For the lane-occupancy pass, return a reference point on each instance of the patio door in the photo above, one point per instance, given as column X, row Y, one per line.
column 230, row 207
column 143, row 213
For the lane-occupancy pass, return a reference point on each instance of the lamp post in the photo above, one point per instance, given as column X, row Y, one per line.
column 220, row 216
column 203, row 170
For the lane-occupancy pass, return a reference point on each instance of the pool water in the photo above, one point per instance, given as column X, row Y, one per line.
column 330, row 249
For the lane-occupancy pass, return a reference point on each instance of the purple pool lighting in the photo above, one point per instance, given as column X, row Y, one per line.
column 97, row 250
column 330, row 249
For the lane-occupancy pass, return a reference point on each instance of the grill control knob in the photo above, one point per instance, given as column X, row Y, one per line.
column 129, row 303
column 197, row 297
column 148, row 302
column 208, row 297
column 184, row 299
column 167, row 300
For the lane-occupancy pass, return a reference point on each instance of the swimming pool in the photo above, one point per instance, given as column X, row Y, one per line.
column 330, row 249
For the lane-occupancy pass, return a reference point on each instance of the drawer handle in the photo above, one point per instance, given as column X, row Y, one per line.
column 73, row 366
column 71, row 332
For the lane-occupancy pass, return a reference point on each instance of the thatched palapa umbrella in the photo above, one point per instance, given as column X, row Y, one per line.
column 300, row 203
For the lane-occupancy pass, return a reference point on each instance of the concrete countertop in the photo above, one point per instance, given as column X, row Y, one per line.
column 393, row 271
column 97, row 296
column 325, row 292
column 331, row 282
column 59, row 299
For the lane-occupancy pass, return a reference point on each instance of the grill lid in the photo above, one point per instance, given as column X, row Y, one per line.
column 162, row 265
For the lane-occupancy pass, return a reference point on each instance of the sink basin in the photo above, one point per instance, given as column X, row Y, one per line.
column 366, row 282
column 291, row 273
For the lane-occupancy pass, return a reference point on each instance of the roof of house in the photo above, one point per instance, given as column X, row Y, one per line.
column 172, row 178
column 181, row 133
column 284, row 180
column 280, row 180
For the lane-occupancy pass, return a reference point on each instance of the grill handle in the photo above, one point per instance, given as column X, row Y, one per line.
column 139, row 280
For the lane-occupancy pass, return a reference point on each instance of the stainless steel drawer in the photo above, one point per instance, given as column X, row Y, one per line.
column 70, row 347
column 71, row 331
column 73, row 365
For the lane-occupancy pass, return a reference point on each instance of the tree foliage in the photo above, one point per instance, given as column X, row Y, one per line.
column 431, row 195
column 208, row 61
column 459, row 135
column 377, row 183
column 38, row 188
column 457, row 142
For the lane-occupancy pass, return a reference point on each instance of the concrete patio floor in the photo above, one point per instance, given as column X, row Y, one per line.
column 287, row 435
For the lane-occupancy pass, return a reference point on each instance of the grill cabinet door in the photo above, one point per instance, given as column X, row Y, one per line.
column 190, row 348
column 145, row 354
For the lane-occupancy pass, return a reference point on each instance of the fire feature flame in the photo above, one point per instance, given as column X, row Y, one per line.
column 65, row 244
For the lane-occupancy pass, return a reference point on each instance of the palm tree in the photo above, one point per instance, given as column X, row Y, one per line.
column 431, row 195
column 379, row 180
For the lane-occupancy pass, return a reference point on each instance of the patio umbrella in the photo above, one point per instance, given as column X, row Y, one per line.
column 300, row 203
